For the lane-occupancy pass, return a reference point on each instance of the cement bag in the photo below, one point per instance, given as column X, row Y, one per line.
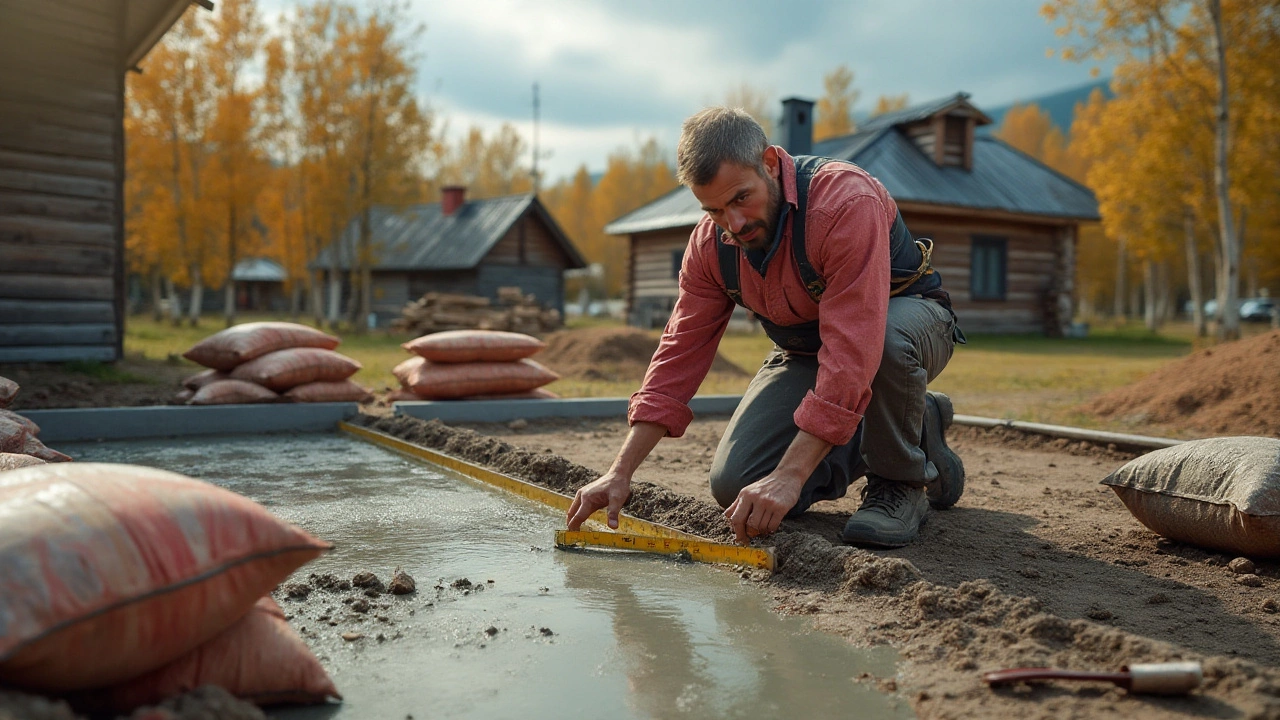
column 284, row 369
column 402, row 395
column 1220, row 493
column 340, row 391
column 129, row 569
column 13, row 436
column 228, row 348
column 13, row 461
column 33, row 447
column 231, row 392
column 259, row 659
column 454, row 346
column 27, row 423
column 8, row 391
column 405, row 369
column 432, row 381
column 200, row 379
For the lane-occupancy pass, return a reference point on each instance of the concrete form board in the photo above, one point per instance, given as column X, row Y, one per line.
column 507, row 410
column 128, row 423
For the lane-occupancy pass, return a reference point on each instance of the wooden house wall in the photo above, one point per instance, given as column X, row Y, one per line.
column 652, row 282
column 61, row 169
column 1033, row 259
column 1031, row 262
column 527, row 257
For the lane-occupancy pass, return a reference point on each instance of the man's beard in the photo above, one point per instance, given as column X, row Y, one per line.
column 763, row 240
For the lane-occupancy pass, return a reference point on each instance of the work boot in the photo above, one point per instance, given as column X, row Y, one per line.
column 890, row 515
column 949, row 485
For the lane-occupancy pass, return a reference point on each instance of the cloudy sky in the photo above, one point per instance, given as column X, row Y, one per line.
column 615, row 72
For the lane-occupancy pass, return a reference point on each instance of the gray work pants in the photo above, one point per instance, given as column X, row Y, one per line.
column 918, row 343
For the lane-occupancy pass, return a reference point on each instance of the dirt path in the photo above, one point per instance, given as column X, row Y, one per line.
column 1037, row 565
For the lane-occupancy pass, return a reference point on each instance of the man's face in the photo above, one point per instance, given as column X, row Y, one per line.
column 744, row 204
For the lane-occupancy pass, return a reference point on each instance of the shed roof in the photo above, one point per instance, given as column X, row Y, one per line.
column 422, row 237
column 1002, row 179
column 258, row 270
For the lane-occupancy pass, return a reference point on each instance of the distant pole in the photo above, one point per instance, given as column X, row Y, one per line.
column 535, row 138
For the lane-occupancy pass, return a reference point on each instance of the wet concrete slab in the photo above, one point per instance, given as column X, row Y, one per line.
column 503, row 625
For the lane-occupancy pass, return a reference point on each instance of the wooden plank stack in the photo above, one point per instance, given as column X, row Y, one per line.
column 514, row 312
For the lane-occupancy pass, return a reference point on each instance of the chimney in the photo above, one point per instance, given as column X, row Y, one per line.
column 451, row 198
column 796, row 129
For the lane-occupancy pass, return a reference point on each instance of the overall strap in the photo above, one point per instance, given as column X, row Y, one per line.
column 728, row 255
column 806, row 167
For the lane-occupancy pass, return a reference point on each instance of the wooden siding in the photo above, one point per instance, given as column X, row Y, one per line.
column 1031, row 263
column 1036, row 253
column 528, row 242
column 61, row 170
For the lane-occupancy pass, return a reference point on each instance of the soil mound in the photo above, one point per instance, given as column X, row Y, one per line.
column 1228, row 389
column 609, row 354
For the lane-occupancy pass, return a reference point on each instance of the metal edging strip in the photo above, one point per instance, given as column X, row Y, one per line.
column 537, row 493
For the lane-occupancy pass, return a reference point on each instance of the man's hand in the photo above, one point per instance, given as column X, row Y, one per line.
column 760, row 507
column 609, row 491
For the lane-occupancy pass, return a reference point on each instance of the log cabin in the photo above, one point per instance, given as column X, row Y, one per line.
column 1004, row 225
column 455, row 246
column 62, row 77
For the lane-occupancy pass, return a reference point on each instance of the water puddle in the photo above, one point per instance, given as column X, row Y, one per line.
column 625, row 636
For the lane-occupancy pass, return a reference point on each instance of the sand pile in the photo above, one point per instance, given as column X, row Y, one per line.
column 1228, row 389
column 609, row 354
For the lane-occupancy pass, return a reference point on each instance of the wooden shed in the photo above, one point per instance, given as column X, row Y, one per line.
column 456, row 246
column 1004, row 225
column 62, row 67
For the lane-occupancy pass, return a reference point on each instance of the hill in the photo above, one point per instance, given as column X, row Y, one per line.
column 1060, row 105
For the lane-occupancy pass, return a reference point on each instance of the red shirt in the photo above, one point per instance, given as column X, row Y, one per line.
column 847, row 240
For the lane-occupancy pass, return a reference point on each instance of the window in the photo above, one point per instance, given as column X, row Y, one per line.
column 677, row 258
column 988, row 268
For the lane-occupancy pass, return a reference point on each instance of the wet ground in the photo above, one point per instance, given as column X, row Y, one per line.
column 502, row 624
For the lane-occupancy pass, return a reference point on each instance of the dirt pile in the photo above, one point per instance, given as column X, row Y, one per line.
column 1228, row 389
column 609, row 354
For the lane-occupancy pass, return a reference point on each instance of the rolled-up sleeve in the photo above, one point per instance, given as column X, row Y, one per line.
column 851, row 245
column 689, row 341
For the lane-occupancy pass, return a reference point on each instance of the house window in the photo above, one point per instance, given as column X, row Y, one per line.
column 988, row 268
column 677, row 259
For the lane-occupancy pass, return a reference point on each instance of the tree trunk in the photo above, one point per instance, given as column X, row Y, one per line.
column 197, row 296
column 1150, row 291
column 335, row 297
column 295, row 301
column 317, row 297
column 229, row 309
column 1193, row 274
column 1121, row 311
column 1229, row 272
column 1164, row 293
column 175, row 302
column 157, row 295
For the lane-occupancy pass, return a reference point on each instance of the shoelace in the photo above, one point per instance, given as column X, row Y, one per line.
column 888, row 496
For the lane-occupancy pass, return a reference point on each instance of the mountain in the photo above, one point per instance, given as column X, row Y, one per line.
column 1060, row 105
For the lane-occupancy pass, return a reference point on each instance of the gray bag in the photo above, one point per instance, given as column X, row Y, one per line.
column 1220, row 493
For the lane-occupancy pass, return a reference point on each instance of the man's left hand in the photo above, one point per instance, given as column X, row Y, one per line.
column 760, row 506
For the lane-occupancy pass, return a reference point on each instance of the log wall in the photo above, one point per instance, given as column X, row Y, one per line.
column 61, row 164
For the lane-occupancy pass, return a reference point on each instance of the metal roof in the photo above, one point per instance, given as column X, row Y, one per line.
column 923, row 111
column 1002, row 178
column 258, row 270
column 421, row 237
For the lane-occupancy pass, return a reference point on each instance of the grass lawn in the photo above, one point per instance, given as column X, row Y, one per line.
column 1017, row 377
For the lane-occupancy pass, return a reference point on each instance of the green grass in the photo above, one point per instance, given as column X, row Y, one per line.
column 106, row 372
column 1008, row 376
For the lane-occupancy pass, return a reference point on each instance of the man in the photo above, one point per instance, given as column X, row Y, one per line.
column 817, row 251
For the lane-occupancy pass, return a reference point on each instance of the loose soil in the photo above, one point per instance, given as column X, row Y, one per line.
column 609, row 353
column 1038, row 565
column 1228, row 389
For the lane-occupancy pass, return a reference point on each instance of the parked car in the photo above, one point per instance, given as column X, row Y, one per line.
column 1257, row 309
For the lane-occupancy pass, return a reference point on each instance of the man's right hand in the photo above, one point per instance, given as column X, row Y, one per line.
column 609, row 491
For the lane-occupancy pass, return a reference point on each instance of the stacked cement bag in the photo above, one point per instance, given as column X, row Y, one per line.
column 140, row 584
column 473, row 364
column 270, row 362
column 19, row 446
column 1219, row 493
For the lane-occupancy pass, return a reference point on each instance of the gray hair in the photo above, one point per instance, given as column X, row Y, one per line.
column 717, row 135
